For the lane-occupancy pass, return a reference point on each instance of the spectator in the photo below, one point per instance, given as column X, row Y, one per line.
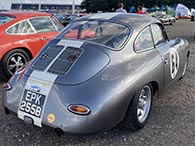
column 132, row 9
column 120, row 9
column 139, row 10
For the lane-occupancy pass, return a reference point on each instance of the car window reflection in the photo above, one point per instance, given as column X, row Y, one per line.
column 144, row 40
column 42, row 24
column 110, row 34
column 20, row 28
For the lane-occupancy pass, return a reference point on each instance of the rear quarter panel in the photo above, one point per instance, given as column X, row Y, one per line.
column 109, row 92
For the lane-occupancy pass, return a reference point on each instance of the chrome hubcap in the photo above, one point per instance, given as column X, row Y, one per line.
column 144, row 103
column 15, row 61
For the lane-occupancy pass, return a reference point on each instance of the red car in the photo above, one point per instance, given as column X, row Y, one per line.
column 23, row 34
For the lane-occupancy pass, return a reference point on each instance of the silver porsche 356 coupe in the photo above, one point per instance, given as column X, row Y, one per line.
column 101, row 70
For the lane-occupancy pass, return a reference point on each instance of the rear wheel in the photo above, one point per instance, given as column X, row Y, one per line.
column 13, row 60
column 139, row 108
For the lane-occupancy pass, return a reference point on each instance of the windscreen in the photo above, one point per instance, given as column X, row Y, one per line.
column 107, row 33
column 4, row 19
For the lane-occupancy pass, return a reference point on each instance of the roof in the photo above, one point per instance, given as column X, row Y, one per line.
column 133, row 20
column 24, row 14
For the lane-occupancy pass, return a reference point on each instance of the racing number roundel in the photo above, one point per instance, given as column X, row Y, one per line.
column 174, row 62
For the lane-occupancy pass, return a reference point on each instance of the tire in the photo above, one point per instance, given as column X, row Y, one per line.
column 13, row 60
column 185, row 69
column 139, row 108
column 172, row 22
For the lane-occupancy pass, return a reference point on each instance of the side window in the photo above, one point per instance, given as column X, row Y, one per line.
column 144, row 40
column 42, row 24
column 157, row 34
column 20, row 28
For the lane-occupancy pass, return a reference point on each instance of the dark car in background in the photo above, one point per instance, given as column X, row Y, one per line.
column 166, row 19
column 64, row 19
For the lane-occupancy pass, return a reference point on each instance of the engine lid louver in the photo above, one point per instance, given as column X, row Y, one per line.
column 57, row 59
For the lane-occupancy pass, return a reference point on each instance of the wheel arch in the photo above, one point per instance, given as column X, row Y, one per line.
column 155, row 86
column 26, row 50
column 4, row 72
column 129, row 121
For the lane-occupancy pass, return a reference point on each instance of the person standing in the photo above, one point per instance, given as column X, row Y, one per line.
column 132, row 9
column 121, row 9
column 139, row 10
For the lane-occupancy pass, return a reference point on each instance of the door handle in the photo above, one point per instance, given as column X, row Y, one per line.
column 44, row 38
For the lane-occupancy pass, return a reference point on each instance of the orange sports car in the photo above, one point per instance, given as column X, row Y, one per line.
column 23, row 34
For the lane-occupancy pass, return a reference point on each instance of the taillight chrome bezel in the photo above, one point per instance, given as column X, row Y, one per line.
column 79, row 109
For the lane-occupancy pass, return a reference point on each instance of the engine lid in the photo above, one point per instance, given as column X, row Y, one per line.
column 69, row 62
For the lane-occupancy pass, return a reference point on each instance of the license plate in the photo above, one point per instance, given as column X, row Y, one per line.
column 32, row 103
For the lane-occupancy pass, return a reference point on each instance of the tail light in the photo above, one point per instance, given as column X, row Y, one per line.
column 79, row 109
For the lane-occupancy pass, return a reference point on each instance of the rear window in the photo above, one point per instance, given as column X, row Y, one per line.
column 4, row 19
column 111, row 34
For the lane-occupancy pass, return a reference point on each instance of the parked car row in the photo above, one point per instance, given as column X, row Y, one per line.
column 23, row 34
column 63, row 18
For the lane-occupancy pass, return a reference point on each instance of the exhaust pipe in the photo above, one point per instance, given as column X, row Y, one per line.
column 6, row 111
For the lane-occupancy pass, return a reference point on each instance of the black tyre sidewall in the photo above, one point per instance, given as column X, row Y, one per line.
column 131, row 116
column 185, row 68
column 4, row 67
column 172, row 22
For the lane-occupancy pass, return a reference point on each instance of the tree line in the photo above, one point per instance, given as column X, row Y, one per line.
column 111, row 5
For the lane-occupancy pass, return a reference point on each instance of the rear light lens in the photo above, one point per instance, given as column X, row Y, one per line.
column 79, row 109
column 7, row 86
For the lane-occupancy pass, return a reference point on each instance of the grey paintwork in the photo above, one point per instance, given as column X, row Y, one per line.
column 107, row 91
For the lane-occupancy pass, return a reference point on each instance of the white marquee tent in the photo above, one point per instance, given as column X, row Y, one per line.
column 182, row 11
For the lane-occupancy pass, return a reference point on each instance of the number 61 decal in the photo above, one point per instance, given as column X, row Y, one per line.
column 174, row 62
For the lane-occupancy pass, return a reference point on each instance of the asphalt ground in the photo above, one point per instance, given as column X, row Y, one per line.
column 171, row 123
